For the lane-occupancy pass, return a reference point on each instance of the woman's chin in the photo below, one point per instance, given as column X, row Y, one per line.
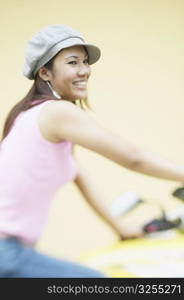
column 81, row 96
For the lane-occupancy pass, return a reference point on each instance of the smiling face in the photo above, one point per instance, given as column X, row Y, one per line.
column 70, row 73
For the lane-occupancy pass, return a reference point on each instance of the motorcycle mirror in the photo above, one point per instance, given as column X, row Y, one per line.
column 179, row 193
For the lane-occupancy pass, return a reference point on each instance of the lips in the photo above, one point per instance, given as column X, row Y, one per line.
column 80, row 83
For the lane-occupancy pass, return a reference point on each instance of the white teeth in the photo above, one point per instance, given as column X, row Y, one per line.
column 80, row 83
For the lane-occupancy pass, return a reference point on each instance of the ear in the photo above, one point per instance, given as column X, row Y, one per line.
column 44, row 73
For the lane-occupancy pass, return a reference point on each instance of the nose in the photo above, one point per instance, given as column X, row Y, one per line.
column 84, row 70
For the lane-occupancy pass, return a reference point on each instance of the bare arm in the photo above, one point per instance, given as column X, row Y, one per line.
column 95, row 199
column 65, row 121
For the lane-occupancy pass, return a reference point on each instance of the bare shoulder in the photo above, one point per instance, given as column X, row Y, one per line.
column 56, row 114
column 64, row 121
column 59, row 109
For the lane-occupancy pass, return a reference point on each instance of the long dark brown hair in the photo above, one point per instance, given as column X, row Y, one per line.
column 38, row 93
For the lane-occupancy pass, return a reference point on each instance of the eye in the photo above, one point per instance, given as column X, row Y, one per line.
column 73, row 62
column 86, row 61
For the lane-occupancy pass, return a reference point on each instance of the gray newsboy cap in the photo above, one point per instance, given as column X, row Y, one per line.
column 46, row 43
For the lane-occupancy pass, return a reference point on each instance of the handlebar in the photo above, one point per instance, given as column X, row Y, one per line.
column 130, row 200
column 164, row 222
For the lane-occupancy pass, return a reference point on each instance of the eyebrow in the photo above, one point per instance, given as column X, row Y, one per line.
column 74, row 56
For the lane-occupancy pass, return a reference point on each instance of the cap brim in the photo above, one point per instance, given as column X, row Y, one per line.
column 94, row 53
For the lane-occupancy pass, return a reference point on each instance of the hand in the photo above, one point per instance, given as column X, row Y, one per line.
column 131, row 232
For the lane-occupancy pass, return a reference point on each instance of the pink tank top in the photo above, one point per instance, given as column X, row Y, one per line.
column 32, row 169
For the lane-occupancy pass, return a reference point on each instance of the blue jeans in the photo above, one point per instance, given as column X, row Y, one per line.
column 18, row 260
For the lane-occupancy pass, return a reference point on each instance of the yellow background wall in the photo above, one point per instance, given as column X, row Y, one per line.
column 136, row 90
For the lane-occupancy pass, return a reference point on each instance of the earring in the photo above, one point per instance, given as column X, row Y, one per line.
column 53, row 91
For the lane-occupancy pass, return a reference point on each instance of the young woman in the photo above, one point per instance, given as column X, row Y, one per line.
column 36, row 155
